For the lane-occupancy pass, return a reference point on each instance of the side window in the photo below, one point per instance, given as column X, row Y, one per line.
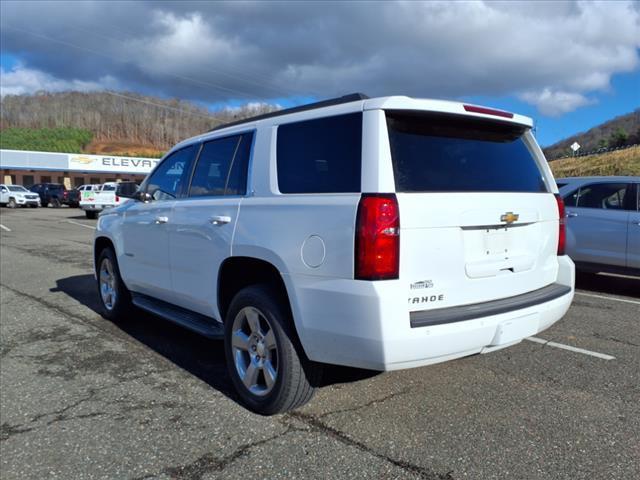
column 222, row 167
column 610, row 196
column 320, row 156
column 166, row 180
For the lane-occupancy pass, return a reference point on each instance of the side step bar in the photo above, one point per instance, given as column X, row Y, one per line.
column 439, row 316
column 201, row 324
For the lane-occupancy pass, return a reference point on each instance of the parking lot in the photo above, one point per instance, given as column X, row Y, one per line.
column 82, row 397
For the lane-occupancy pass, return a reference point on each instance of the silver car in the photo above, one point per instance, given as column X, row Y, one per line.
column 603, row 222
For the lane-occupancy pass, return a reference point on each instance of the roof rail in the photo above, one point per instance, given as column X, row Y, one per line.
column 352, row 97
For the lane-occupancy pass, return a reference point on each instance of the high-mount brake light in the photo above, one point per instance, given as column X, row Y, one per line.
column 562, row 227
column 488, row 111
column 377, row 245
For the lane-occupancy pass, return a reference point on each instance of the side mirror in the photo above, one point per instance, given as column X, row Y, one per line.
column 141, row 196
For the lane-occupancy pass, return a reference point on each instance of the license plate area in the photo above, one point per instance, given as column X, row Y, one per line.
column 495, row 241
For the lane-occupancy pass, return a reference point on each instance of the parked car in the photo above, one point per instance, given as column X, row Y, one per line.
column 384, row 233
column 603, row 223
column 56, row 195
column 17, row 196
column 108, row 195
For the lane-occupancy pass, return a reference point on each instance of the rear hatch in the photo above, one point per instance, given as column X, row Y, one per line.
column 478, row 221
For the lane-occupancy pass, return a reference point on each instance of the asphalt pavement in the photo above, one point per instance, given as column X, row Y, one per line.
column 82, row 397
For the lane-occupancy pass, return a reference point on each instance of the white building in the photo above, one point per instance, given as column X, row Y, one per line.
column 26, row 168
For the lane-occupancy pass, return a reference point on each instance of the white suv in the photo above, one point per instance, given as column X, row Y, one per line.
column 381, row 233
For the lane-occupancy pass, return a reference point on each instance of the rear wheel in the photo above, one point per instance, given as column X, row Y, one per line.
column 12, row 203
column 114, row 296
column 91, row 214
column 267, row 366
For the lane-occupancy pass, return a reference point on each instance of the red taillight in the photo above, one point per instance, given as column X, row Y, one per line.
column 488, row 111
column 377, row 253
column 117, row 198
column 562, row 228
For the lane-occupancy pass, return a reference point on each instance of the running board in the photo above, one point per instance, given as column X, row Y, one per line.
column 196, row 322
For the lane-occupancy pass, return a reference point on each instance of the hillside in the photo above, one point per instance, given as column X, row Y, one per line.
column 619, row 162
column 119, row 123
column 608, row 134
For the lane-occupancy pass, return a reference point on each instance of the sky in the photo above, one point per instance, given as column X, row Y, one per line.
column 569, row 65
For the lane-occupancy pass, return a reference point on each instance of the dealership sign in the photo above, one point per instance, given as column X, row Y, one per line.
column 100, row 163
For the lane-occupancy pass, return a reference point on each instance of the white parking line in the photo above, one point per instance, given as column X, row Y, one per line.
column 615, row 299
column 81, row 224
column 548, row 343
column 5, row 228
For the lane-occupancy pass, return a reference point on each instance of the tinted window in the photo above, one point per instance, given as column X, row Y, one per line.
column 448, row 153
column 320, row 156
column 222, row 167
column 560, row 184
column 127, row 189
column 611, row 196
column 166, row 180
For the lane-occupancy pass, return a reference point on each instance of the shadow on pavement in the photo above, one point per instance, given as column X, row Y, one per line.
column 198, row 355
column 608, row 284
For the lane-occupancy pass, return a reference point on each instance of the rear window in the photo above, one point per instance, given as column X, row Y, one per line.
column 321, row 155
column 453, row 153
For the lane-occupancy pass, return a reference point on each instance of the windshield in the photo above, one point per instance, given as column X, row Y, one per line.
column 452, row 153
column 16, row 188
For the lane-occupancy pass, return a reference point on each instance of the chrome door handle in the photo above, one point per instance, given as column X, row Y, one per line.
column 161, row 220
column 220, row 219
column 572, row 214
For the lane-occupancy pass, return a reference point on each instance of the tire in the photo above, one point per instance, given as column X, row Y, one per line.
column 119, row 304
column 268, row 345
column 91, row 215
column 55, row 202
column 12, row 203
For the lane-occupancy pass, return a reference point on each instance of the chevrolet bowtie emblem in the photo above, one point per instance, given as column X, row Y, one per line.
column 509, row 217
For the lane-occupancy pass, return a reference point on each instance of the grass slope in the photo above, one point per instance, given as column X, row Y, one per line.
column 65, row 139
column 621, row 162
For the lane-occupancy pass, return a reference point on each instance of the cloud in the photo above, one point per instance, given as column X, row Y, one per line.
column 552, row 54
column 555, row 103
column 20, row 80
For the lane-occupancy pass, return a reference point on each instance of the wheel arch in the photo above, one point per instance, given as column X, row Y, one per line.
column 99, row 244
column 238, row 272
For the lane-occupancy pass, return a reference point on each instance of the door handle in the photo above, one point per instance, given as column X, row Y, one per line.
column 572, row 214
column 161, row 220
column 220, row 219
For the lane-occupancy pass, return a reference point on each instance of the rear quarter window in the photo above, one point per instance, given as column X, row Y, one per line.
column 453, row 153
column 320, row 156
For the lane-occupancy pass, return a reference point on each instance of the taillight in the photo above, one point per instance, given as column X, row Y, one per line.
column 117, row 198
column 377, row 252
column 562, row 228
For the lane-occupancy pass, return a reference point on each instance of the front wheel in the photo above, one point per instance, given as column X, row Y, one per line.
column 114, row 296
column 12, row 203
column 267, row 366
column 55, row 203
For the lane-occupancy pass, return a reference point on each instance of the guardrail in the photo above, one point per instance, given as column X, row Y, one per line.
column 593, row 152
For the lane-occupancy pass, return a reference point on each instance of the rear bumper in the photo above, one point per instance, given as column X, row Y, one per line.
column 91, row 207
column 354, row 323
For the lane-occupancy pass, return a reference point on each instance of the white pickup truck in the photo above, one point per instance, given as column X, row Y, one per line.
column 108, row 195
column 383, row 233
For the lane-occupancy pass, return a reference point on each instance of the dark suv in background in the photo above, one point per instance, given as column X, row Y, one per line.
column 56, row 195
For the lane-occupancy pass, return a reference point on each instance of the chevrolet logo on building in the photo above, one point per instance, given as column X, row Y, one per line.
column 82, row 159
column 509, row 217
